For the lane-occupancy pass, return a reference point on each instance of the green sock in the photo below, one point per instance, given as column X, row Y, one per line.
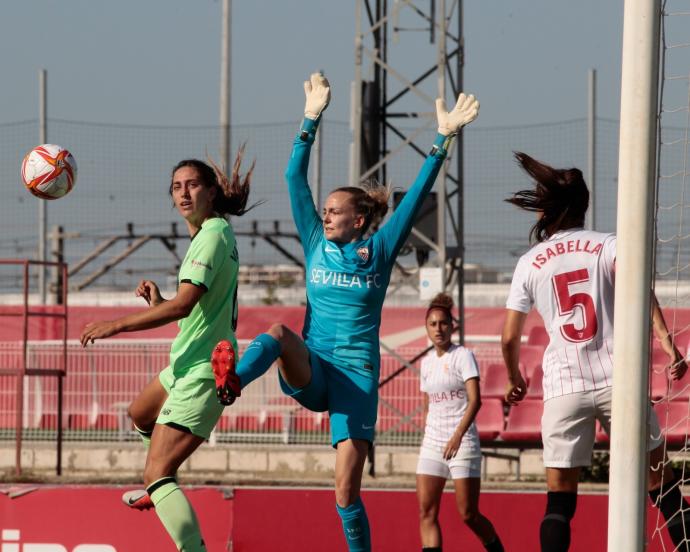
column 145, row 435
column 176, row 514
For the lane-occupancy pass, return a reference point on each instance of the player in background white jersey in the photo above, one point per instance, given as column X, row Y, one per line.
column 450, row 448
column 569, row 276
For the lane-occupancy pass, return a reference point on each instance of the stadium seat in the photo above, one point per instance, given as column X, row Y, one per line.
column 389, row 421
column 48, row 421
column 493, row 381
column 659, row 356
column 107, row 422
column 271, row 422
column 679, row 390
column 674, row 419
column 102, row 422
column 247, row 422
column 534, row 388
column 323, row 422
column 8, row 420
column 524, row 422
column 305, row 421
column 659, row 382
column 538, row 336
column 531, row 358
column 490, row 420
column 601, row 436
column 78, row 421
column 662, row 387
column 282, row 400
column 225, row 423
column 400, row 409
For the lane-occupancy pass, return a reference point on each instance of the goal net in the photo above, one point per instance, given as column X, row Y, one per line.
column 672, row 278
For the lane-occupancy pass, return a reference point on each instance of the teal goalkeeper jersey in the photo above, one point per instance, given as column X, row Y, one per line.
column 346, row 283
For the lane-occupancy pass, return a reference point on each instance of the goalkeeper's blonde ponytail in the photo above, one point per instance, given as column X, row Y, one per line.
column 370, row 201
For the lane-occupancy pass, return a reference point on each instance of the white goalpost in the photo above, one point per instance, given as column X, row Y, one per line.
column 634, row 254
column 653, row 247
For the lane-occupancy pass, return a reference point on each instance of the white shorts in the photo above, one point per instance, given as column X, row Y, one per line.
column 431, row 462
column 568, row 427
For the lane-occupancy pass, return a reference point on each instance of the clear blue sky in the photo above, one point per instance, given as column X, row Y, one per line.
column 157, row 61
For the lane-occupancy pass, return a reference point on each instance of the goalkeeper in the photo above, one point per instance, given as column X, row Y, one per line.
column 334, row 366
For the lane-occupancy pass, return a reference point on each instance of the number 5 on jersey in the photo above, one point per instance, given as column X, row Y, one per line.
column 567, row 303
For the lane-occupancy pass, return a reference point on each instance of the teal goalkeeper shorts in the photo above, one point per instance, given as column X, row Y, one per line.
column 192, row 405
column 350, row 397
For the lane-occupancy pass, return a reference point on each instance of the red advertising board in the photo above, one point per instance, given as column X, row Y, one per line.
column 92, row 519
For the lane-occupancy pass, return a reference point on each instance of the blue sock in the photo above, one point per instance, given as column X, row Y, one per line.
column 257, row 358
column 355, row 526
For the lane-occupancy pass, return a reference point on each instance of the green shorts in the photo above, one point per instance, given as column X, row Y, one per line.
column 192, row 405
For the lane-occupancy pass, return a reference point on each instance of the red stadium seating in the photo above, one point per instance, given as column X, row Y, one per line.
column 48, row 421
column 531, row 358
column 225, row 423
column 282, row 400
column 323, row 422
column 659, row 357
column 524, row 422
column 674, row 419
column 102, row 422
column 271, row 422
column 398, row 401
column 78, row 421
column 305, row 421
column 680, row 390
column 538, row 336
column 490, row 420
column 247, row 422
column 107, row 422
column 659, row 382
column 493, row 381
column 534, row 389
column 601, row 436
column 8, row 420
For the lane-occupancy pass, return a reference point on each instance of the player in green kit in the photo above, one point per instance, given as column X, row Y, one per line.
column 177, row 410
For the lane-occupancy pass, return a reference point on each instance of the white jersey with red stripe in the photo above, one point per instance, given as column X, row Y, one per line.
column 569, row 278
column 443, row 379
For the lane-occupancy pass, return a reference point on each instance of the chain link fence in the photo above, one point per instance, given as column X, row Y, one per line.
column 103, row 379
column 124, row 174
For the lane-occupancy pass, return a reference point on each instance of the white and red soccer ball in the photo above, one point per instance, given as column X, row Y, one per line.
column 49, row 171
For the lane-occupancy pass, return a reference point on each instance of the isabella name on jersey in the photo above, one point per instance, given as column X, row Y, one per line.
column 561, row 248
column 340, row 279
column 442, row 396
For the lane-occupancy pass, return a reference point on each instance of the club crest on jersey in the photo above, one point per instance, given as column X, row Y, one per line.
column 363, row 253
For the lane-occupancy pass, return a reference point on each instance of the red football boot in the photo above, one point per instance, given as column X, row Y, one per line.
column 228, row 386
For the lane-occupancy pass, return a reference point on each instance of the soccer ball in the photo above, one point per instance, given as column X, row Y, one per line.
column 49, row 171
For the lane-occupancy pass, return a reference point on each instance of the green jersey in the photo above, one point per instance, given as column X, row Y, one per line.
column 212, row 262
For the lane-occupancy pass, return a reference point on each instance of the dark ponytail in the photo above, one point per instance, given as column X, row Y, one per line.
column 232, row 191
column 561, row 195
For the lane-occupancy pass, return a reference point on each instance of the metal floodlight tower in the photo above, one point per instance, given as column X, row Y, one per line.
column 383, row 103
